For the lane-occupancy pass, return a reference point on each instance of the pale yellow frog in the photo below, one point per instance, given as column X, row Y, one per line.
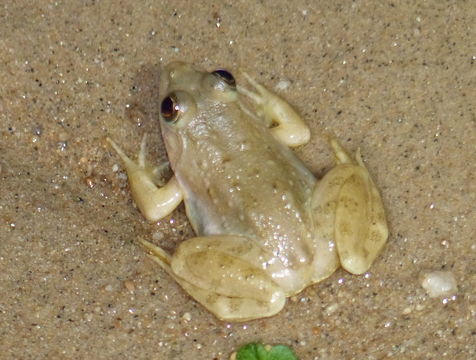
column 266, row 228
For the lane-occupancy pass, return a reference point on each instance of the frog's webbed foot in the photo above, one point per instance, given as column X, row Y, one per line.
column 153, row 202
column 223, row 274
column 348, row 209
column 285, row 123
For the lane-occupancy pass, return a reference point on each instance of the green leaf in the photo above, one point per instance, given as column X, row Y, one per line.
column 256, row 351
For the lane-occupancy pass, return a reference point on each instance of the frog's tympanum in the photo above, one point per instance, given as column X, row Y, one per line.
column 265, row 227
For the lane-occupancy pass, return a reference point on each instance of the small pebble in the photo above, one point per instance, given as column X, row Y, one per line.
column 283, row 84
column 419, row 307
column 63, row 136
column 38, row 130
column 158, row 235
column 407, row 311
column 129, row 285
column 439, row 283
column 331, row 309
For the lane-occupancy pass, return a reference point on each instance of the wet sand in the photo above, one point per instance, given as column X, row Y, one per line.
column 395, row 79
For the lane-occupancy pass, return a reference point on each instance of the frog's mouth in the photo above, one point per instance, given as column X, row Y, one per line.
column 173, row 144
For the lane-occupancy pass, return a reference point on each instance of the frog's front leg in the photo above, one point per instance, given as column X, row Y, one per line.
column 348, row 211
column 285, row 123
column 226, row 274
column 154, row 202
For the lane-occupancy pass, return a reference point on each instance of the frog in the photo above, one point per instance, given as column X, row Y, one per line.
column 265, row 227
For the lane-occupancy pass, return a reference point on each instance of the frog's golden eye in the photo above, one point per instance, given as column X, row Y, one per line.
column 226, row 76
column 170, row 109
column 178, row 108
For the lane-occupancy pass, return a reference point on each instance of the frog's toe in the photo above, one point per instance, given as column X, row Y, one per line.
column 260, row 97
column 141, row 158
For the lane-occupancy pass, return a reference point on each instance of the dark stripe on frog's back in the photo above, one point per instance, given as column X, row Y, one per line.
column 264, row 165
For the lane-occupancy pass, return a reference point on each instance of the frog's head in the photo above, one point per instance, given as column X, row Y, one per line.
column 191, row 98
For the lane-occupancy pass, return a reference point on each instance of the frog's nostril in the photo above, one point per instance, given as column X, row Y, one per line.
column 176, row 68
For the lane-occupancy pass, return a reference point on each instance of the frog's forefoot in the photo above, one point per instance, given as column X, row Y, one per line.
column 285, row 123
column 153, row 202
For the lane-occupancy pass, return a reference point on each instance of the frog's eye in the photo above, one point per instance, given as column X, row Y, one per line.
column 226, row 76
column 220, row 85
column 178, row 108
column 169, row 108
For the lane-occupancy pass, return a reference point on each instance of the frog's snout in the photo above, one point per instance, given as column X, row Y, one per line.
column 178, row 69
column 181, row 76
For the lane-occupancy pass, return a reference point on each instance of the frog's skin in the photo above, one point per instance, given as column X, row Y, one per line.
column 265, row 227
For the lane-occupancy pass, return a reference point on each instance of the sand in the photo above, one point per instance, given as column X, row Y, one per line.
column 396, row 79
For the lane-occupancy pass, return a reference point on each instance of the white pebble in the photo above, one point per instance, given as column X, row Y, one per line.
column 283, row 84
column 158, row 235
column 187, row 316
column 439, row 283
column 407, row 310
column 331, row 309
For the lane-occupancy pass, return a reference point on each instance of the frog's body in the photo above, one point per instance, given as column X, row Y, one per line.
column 265, row 227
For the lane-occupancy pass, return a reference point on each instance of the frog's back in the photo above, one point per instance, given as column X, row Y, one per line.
column 238, row 179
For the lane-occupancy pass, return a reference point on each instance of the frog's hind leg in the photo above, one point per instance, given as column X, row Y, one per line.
column 347, row 208
column 225, row 275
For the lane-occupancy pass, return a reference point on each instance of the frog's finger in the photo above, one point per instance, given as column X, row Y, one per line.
column 143, row 151
column 127, row 161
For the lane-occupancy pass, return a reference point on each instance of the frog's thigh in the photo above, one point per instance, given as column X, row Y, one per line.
column 290, row 128
column 153, row 202
column 347, row 206
column 225, row 274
